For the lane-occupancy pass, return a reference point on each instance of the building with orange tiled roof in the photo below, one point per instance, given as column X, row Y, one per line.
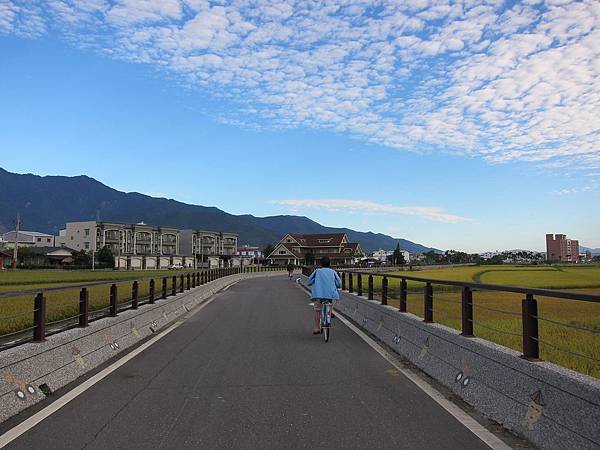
column 298, row 249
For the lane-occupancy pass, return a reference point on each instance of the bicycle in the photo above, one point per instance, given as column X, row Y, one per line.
column 325, row 323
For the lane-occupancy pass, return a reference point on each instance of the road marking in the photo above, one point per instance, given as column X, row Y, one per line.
column 490, row 439
column 32, row 421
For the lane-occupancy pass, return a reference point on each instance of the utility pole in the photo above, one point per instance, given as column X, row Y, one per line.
column 16, row 248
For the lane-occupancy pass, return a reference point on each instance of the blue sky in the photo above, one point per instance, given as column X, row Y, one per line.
column 466, row 125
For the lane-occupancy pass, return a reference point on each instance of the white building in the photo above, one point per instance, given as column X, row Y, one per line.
column 385, row 255
column 382, row 255
column 247, row 251
column 27, row 239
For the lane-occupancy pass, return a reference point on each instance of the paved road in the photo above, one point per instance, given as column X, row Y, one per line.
column 246, row 372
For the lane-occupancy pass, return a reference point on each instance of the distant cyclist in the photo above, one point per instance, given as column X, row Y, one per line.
column 290, row 269
column 325, row 283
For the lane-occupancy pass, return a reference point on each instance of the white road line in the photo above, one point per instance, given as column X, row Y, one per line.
column 490, row 439
column 32, row 421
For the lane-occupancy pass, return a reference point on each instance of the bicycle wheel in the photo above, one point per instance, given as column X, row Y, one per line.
column 326, row 320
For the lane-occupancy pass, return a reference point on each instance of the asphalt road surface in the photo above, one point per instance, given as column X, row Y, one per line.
column 246, row 372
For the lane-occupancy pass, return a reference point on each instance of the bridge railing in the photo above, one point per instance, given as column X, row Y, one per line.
column 508, row 315
column 24, row 319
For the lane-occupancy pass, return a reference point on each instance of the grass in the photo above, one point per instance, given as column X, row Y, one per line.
column 34, row 278
column 505, row 327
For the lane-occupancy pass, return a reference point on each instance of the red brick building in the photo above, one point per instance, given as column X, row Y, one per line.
column 559, row 248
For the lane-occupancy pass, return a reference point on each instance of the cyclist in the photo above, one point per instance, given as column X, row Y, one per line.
column 325, row 283
column 290, row 269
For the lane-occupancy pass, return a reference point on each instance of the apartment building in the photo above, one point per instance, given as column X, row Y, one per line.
column 304, row 248
column 210, row 248
column 559, row 248
column 122, row 239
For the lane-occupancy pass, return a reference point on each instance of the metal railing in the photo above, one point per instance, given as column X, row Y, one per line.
column 352, row 281
column 169, row 286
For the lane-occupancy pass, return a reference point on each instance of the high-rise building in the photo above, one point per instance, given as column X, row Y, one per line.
column 559, row 248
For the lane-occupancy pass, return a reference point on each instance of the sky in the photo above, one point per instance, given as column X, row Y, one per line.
column 456, row 124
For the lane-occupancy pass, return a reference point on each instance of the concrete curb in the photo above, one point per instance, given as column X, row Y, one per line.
column 548, row 405
column 27, row 369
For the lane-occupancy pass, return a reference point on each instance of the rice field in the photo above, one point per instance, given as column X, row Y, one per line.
column 569, row 330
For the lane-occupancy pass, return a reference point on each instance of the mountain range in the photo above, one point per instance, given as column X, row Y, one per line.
column 47, row 203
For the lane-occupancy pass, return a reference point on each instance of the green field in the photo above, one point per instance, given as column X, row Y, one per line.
column 505, row 327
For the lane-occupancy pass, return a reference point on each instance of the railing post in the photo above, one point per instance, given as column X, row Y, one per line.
column 359, row 283
column 350, row 284
column 134, row 295
column 403, row 295
column 164, row 287
column 467, row 311
column 181, row 283
column 188, row 281
column 370, row 287
column 428, row 303
column 83, row 307
column 194, row 279
column 113, row 300
column 151, row 292
column 343, row 281
column 174, row 285
column 39, row 318
column 531, row 348
column 384, row 290
column 202, row 277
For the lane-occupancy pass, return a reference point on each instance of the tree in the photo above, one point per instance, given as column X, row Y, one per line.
column 398, row 257
column 81, row 258
column 267, row 250
column 105, row 257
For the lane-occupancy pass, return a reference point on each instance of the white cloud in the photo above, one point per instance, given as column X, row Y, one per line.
column 475, row 78
column 433, row 213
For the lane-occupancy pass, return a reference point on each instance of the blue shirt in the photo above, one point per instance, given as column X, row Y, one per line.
column 325, row 283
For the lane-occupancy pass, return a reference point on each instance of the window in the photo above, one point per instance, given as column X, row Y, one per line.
column 282, row 252
column 87, row 245
column 71, row 237
column 324, row 241
column 39, row 239
column 87, row 231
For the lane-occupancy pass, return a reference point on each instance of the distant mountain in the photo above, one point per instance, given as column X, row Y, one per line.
column 46, row 203
column 594, row 251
